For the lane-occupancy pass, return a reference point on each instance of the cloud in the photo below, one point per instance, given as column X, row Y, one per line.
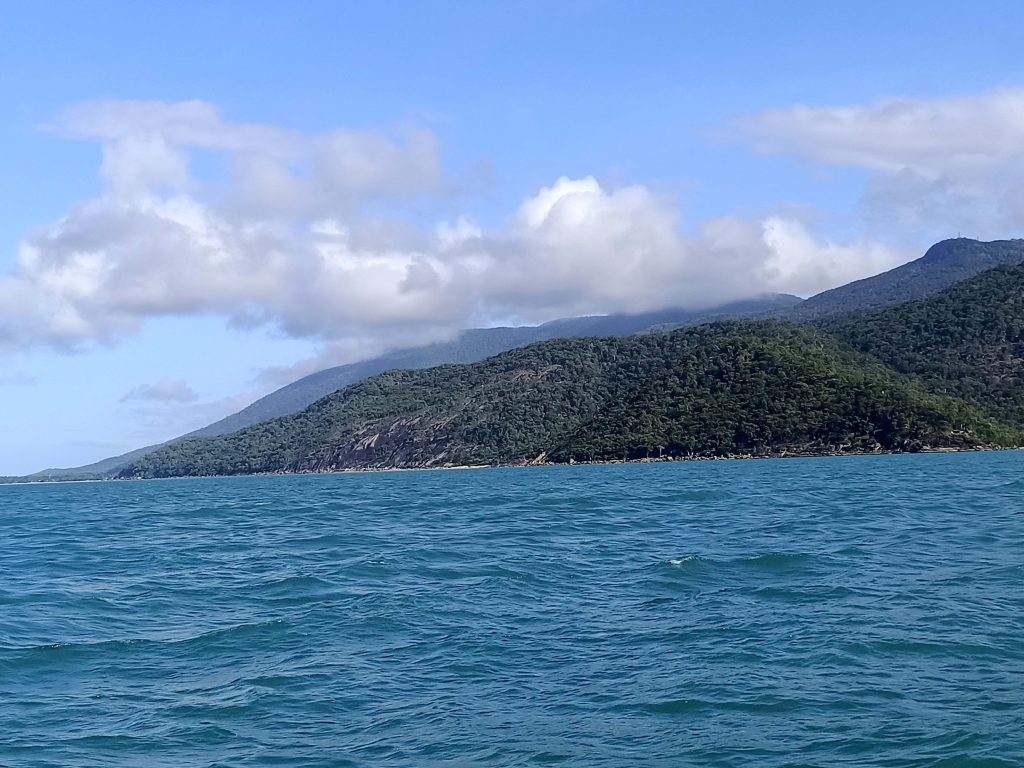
column 321, row 237
column 163, row 391
column 931, row 137
column 578, row 248
column 146, row 146
column 935, row 165
column 183, row 123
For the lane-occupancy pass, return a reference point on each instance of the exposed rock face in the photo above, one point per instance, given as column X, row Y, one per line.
column 400, row 443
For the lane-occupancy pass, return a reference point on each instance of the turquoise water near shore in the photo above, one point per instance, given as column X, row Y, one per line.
column 862, row 611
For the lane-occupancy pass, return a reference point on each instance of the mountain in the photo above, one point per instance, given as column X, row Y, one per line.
column 470, row 346
column 94, row 471
column 967, row 341
column 945, row 264
column 733, row 388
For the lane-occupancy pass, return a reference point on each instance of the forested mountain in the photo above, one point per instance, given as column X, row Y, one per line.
column 919, row 339
column 470, row 346
column 719, row 389
column 967, row 341
column 945, row 264
column 473, row 345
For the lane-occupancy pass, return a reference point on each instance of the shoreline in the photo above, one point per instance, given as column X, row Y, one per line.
column 613, row 462
column 543, row 464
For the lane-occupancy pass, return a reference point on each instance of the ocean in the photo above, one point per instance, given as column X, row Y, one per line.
column 862, row 611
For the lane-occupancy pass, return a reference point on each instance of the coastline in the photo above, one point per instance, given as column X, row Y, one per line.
column 653, row 460
column 546, row 464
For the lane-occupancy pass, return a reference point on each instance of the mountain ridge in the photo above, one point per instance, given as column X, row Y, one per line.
column 944, row 264
column 471, row 345
column 719, row 389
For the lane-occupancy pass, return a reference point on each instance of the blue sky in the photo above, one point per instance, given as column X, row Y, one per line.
column 202, row 201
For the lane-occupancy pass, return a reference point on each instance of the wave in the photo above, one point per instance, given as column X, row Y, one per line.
column 296, row 590
column 681, row 561
column 770, row 561
column 776, row 561
column 64, row 648
column 1010, row 485
column 793, row 621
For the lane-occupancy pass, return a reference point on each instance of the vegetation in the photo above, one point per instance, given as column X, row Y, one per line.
column 967, row 341
column 735, row 388
column 469, row 347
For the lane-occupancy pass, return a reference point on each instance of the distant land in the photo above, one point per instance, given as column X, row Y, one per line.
column 470, row 346
column 967, row 341
column 944, row 265
column 722, row 389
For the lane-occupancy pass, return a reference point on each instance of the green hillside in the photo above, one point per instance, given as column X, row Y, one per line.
column 722, row 389
column 967, row 341
column 469, row 347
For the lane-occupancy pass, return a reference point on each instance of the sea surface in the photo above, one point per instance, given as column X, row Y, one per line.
column 810, row 612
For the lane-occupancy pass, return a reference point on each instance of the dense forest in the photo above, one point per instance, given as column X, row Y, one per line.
column 469, row 347
column 723, row 389
column 967, row 341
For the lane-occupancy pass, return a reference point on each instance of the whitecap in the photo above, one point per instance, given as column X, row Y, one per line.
column 682, row 560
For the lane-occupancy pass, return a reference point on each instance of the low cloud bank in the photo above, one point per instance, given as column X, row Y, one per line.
column 323, row 237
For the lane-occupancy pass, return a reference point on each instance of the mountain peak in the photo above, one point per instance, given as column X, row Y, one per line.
column 944, row 264
column 968, row 248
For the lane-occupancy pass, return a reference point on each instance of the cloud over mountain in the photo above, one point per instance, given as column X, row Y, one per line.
column 321, row 236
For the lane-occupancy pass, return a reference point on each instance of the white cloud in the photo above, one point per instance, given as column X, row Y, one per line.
column 937, row 165
column 183, row 123
column 577, row 248
column 294, row 239
column 277, row 171
column 138, row 163
column 806, row 265
column 163, row 391
column 932, row 137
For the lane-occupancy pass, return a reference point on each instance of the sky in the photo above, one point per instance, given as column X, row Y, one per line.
column 204, row 201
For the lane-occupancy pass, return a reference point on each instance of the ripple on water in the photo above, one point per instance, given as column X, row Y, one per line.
column 779, row 613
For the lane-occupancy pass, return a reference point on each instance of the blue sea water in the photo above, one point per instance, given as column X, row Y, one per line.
column 812, row 612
